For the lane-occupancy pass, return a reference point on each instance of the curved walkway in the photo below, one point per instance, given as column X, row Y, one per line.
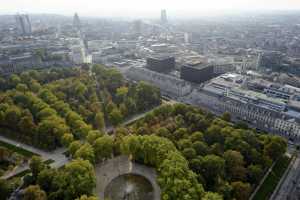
column 111, row 169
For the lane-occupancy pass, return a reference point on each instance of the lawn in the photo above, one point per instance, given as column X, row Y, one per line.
column 16, row 149
column 273, row 179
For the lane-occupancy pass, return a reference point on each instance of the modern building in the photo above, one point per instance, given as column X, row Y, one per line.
column 23, row 25
column 168, row 84
column 198, row 73
column 161, row 63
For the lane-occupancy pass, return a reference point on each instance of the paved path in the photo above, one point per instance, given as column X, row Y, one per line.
column 57, row 155
column 59, row 158
column 121, row 165
column 261, row 181
column 288, row 190
column 131, row 119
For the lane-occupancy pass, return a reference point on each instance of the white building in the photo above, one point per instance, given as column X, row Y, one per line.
column 167, row 84
column 228, row 94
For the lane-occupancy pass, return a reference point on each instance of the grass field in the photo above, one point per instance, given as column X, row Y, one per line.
column 273, row 179
column 17, row 149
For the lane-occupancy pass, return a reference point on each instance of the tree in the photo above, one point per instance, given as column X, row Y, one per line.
column 22, row 87
column 36, row 165
column 189, row 153
column 180, row 134
column 5, row 189
column 184, row 143
column 201, row 148
column 12, row 116
column 212, row 196
column 67, row 139
column 86, row 152
column 212, row 169
column 146, row 96
column 149, row 149
column 254, row 173
column 130, row 105
column 103, row 147
column 226, row 117
column 114, row 80
column 121, row 93
column 26, row 124
column 84, row 197
column 79, row 89
column 197, row 136
column 241, row 191
column 93, row 135
column 73, row 147
column 34, row 192
column 78, row 179
column 176, row 180
column 213, row 135
column 99, row 121
column 115, row 117
column 14, row 80
column 46, row 179
column 276, row 147
column 235, row 165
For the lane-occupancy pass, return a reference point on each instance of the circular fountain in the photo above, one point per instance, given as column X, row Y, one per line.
column 129, row 187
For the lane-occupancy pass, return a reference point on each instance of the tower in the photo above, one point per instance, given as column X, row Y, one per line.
column 23, row 24
column 137, row 27
column 76, row 22
column 163, row 16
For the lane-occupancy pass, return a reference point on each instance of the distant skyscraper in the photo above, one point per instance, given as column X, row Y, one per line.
column 137, row 27
column 76, row 22
column 186, row 38
column 163, row 16
column 23, row 24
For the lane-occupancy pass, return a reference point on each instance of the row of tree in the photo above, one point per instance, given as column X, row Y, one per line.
column 68, row 104
column 226, row 159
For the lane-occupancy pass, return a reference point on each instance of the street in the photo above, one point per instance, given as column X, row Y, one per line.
column 58, row 156
column 288, row 189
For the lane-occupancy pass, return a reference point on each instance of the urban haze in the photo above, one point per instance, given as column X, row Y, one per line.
column 150, row 100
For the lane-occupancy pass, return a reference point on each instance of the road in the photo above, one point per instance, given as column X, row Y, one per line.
column 58, row 156
column 288, row 189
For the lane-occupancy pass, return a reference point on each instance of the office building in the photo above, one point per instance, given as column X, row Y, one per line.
column 198, row 73
column 160, row 63
column 23, row 25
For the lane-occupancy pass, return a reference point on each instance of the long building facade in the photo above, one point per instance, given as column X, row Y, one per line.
column 257, row 109
column 167, row 84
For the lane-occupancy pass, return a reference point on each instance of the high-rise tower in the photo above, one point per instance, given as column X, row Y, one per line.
column 76, row 22
column 163, row 16
column 23, row 24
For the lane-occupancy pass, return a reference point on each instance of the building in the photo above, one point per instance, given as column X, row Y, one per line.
column 272, row 113
column 161, row 63
column 198, row 73
column 168, row 84
column 23, row 25
column 76, row 22
column 186, row 38
column 163, row 16
column 137, row 27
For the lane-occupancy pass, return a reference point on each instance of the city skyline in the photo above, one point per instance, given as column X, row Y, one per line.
column 132, row 8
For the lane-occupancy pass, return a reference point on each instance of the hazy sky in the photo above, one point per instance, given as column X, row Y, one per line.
column 140, row 7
